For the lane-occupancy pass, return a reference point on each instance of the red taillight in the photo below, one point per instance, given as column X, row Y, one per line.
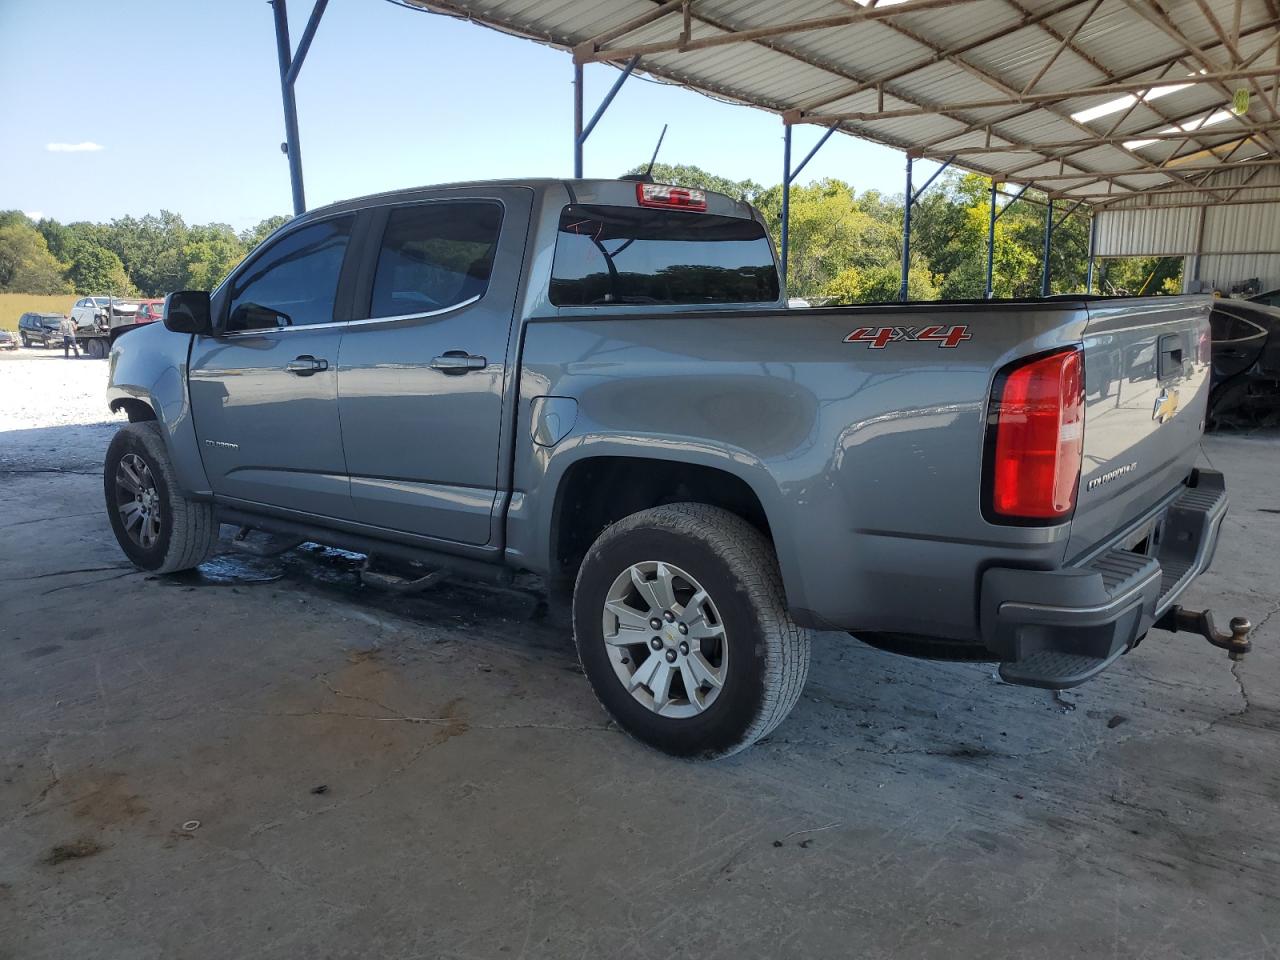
column 662, row 195
column 1037, row 439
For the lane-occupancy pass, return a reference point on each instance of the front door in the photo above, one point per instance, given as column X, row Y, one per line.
column 421, row 380
column 264, row 392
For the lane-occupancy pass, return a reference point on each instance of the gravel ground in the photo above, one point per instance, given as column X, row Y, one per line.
column 53, row 417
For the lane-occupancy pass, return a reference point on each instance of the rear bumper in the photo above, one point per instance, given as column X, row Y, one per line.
column 1058, row 628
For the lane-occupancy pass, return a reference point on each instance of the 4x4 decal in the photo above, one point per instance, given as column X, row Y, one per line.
column 877, row 338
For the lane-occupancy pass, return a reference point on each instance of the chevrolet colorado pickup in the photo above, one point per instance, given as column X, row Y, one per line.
column 600, row 382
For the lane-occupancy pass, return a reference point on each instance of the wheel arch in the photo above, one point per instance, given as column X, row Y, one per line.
column 601, row 486
column 138, row 410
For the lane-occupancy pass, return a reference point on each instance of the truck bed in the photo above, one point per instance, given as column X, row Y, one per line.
column 874, row 452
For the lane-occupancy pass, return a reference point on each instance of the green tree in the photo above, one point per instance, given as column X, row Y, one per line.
column 255, row 235
column 211, row 252
column 830, row 231
column 880, row 284
column 97, row 270
column 26, row 265
column 1141, row 276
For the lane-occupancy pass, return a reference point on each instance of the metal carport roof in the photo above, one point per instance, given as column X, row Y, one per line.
column 1088, row 99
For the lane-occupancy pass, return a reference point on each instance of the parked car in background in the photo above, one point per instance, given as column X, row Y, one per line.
column 1269, row 298
column 8, row 341
column 149, row 311
column 39, row 328
column 1245, row 389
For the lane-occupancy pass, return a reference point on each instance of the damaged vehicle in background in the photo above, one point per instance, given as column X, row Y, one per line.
column 1245, row 388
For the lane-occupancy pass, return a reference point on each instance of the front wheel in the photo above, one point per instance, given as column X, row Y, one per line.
column 681, row 626
column 157, row 526
column 26, row 341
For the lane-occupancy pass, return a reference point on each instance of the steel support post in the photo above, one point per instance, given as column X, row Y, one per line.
column 292, row 148
column 290, row 64
column 908, row 199
column 1048, row 242
column 577, row 121
column 581, row 132
column 1093, row 252
column 786, row 199
column 991, row 245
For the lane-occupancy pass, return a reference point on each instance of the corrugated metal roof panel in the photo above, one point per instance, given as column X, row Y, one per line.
column 943, row 55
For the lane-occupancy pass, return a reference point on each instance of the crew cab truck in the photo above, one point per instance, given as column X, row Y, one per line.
column 600, row 382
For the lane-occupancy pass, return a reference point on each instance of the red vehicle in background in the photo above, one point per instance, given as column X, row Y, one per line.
column 150, row 311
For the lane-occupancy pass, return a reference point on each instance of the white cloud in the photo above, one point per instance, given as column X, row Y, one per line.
column 87, row 146
column 34, row 214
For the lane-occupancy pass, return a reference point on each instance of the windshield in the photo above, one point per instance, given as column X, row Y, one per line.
column 632, row 255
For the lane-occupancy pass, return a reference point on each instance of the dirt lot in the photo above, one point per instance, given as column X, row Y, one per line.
column 266, row 760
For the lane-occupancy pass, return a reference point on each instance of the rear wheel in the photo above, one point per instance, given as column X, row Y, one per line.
column 157, row 527
column 96, row 348
column 682, row 629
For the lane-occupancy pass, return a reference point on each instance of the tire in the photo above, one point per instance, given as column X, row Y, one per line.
column 96, row 349
column 763, row 655
column 186, row 533
column 26, row 341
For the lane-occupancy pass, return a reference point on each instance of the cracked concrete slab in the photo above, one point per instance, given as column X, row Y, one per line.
column 477, row 803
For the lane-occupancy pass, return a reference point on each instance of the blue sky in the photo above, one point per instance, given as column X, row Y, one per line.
column 183, row 99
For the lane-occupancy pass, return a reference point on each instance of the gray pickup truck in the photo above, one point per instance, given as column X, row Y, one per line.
column 600, row 382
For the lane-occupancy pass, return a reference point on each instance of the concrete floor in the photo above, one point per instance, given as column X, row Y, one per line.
column 361, row 776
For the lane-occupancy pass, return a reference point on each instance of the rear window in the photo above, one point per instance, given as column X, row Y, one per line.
column 626, row 255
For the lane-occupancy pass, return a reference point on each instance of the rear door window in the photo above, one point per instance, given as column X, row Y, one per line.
column 626, row 255
column 435, row 256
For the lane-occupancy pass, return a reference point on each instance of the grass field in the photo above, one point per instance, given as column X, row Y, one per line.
column 14, row 305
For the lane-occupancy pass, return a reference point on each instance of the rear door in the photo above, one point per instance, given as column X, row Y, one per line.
column 422, row 373
column 264, row 391
column 1146, row 367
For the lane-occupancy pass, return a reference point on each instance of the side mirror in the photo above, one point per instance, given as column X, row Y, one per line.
column 187, row 311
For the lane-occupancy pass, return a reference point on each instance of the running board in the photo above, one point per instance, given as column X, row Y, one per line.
column 397, row 584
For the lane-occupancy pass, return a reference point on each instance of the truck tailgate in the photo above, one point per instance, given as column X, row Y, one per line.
column 1146, row 391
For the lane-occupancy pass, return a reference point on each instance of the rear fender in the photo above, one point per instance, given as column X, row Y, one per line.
column 150, row 366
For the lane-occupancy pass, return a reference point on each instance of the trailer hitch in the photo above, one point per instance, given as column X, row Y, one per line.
column 1236, row 643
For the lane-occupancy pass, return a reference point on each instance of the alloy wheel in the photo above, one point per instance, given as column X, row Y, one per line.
column 665, row 639
column 138, row 501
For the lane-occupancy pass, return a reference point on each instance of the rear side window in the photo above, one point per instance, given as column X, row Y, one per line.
column 435, row 256
column 294, row 281
column 625, row 255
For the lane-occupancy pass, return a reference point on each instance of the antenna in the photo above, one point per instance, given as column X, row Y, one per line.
column 654, row 159
column 647, row 176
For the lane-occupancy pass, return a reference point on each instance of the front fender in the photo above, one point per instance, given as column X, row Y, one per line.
column 150, row 365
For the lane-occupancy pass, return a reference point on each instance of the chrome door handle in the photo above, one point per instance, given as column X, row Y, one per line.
column 458, row 361
column 306, row 365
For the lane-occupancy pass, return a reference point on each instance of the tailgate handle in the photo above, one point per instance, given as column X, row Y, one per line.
column 1170, row 356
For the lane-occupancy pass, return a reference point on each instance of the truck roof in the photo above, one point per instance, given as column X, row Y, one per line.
column 598, row 190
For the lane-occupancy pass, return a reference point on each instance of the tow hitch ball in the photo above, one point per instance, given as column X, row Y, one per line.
column 1236, row 643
